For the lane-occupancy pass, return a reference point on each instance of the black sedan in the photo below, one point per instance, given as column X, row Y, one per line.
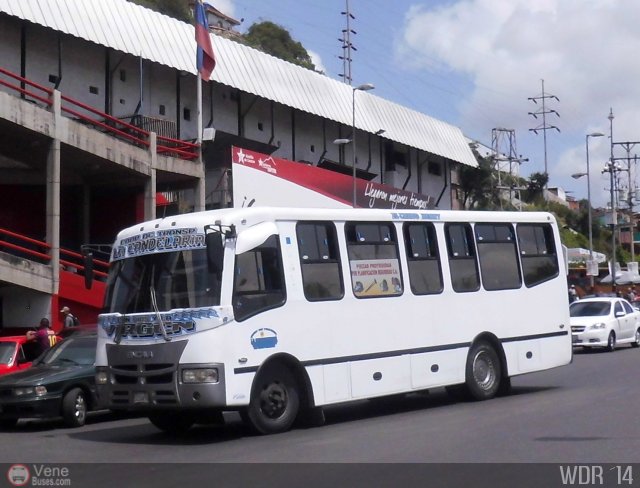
column 59, row 384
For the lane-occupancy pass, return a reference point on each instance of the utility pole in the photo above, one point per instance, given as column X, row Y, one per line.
column 614, row 217
column 347, row 45
column 631, row 190
column 503, row 144
column 543, row 113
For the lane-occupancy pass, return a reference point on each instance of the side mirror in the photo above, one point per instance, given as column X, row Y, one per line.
column 87, row 258
column 620, row 314
column 215, row 252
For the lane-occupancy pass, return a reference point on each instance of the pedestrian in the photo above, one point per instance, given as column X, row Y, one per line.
column 631, row 296
column 44, row 337
column 70, row 320
column 573, row 294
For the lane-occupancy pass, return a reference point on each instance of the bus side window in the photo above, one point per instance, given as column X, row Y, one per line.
column 373, row 259
column 319, row 261
column 537, row 253
column 462, row 257
column 498, row 256
column 258, row 280
column 425, row 271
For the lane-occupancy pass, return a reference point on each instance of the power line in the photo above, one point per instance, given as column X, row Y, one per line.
column 503, row 144
column 544, row 127
column 347, row 45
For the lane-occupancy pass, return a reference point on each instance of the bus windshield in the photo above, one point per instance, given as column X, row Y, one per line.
column 179, row 279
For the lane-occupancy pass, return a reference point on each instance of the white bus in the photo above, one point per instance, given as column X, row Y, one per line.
column 276, row 312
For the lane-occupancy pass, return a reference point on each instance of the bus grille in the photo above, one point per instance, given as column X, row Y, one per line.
column 132, row 374
column 144, row 375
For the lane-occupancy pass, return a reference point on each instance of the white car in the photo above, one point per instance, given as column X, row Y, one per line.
column 604, row 322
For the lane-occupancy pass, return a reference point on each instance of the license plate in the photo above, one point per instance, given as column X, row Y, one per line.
column 140, row 397
column 575, row 339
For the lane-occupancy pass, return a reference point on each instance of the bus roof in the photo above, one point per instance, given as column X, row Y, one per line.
column 249, row 216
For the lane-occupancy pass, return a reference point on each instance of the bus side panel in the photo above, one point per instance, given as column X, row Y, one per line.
column 376, row 377
column 535, row 355
column 438, row 368
column 529, row 356
column 239, row 389
column 336, row 383
column 316, row 378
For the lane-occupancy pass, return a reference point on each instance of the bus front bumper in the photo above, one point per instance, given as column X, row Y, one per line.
column 152, row 377
column 166, row 391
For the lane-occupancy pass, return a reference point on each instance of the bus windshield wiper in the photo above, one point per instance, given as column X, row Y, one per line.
column 154, row 303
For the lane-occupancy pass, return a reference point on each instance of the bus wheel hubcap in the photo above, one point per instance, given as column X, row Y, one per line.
column 273, row 400
column 483, row 370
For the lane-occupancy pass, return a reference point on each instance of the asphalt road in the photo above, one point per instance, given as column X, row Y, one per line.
column 582, row 413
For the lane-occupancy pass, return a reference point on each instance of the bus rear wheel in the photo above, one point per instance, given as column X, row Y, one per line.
column 275, row 401
column 483, row 372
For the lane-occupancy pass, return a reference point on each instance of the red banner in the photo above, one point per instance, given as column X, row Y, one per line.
column 334, row 187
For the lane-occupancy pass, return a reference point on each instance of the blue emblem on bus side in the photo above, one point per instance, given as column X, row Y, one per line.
column 264, row 339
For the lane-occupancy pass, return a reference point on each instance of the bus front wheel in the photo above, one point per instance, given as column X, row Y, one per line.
column 275, row 401
column 483, row 372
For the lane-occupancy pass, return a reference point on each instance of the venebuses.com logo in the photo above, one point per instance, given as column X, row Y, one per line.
column 18, row 475
column 38, row 475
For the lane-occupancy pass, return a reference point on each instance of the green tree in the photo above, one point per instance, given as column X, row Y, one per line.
column 478, row 185
column 178, row 9
column 275, row 40
column 535, row 187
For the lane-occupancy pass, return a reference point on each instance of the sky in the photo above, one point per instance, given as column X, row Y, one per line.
column 475, row 64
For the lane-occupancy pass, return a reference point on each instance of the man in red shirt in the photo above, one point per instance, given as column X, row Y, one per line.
column 44, row 336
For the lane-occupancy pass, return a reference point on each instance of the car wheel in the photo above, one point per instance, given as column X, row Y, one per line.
column 74, row 408
column 611, row 342
column 636, row 343
column 483, row 372
column 7, row 424
column 172, row 423
column 275, row 401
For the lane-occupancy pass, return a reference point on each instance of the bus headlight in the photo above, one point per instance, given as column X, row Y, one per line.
column 102, row 378
column 200, row 375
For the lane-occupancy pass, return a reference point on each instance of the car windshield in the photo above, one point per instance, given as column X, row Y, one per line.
column 179, row 279
column 6, row 351
column 79, row 351
column 589, row 309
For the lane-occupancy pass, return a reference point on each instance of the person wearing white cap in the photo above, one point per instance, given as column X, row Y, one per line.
column 69, row 319
column 573, row 294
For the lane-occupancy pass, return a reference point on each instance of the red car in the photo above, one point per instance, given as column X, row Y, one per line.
column 16, row 353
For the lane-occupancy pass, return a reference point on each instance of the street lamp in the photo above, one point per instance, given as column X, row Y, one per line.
column 363, row 87
column 588, row 175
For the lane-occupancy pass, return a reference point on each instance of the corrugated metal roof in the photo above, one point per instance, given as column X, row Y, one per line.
column 138, row 31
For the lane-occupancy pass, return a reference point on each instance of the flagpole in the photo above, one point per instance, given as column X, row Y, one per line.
column 199, row 102
column 205, row 62
column 200, row 200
